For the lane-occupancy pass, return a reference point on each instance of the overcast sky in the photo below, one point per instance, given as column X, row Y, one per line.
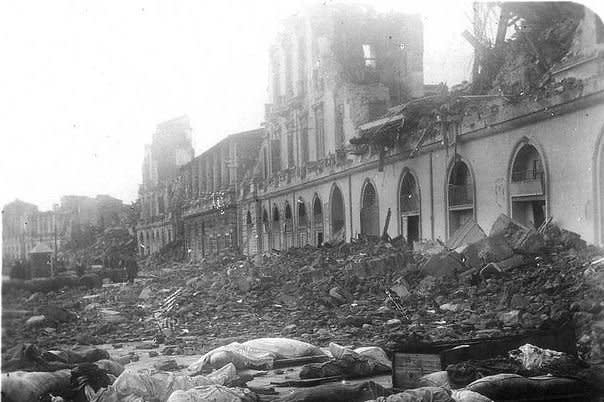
column 84, row 83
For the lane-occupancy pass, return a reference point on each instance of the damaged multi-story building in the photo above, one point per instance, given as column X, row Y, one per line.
column 332, row 69
column 523, row 139
column 212, row 185
column 171, row 148
column 356, row 144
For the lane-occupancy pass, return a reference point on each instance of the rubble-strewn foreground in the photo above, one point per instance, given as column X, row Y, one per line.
column 360, row 294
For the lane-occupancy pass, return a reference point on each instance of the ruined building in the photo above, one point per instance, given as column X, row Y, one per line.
column 24, row 226
column 213, row 183
column 17, row 218
column 171, row 148
column 523, row 139
column 332, row 69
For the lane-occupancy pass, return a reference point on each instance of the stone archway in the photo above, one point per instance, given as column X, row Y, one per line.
column 276, row 228
column 370, row 224
column 288, row 227
column 460, row 196
column 317, row 222
column 266, row 232
column 337, row 213
column 527, row 187
column 303, row 223
column 410, row 208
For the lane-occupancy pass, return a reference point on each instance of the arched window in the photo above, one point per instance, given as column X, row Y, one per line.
column 288, row 212
column 460, row 196
column 266, row 232
column 276, row 229
column 248, row 219
column 265, row 224
column 369, row 211
column 317, row 221
column 302, row 223
column 288, row 227
column 337, row 213
column 302, row 218
column 527, row 187
column 409, row 206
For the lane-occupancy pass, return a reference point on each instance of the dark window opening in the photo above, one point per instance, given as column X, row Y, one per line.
column 527, row 165
column 337, row 211
column 317, row 209
column 412, row 229
column 460, row 185
column 288, row 212
column 460, row 197
column 409, row 200
column 369, row 211
column 301, row 213
column 369, row 197
column 319, row 239
column 275, row 214
column 265, row 221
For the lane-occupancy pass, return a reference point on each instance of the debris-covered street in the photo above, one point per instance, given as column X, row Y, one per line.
column 362, row 203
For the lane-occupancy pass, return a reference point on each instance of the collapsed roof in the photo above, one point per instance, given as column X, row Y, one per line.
column 510, row 69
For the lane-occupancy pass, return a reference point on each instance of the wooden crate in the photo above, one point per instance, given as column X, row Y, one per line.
column 407, row 368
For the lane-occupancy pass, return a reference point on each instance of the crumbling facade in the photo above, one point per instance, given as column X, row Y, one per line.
column 171, row 148
column 333, row 68
column 524, row 139
column 353, row 145
column 212, row 183
column 432, row 164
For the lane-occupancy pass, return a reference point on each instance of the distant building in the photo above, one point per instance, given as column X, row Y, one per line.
column 16, row 222
column 110, row 210
column 212, row 187
column 25, row 227
column 170, row 149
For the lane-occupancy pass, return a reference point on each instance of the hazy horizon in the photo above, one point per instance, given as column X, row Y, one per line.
column 86, row 82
